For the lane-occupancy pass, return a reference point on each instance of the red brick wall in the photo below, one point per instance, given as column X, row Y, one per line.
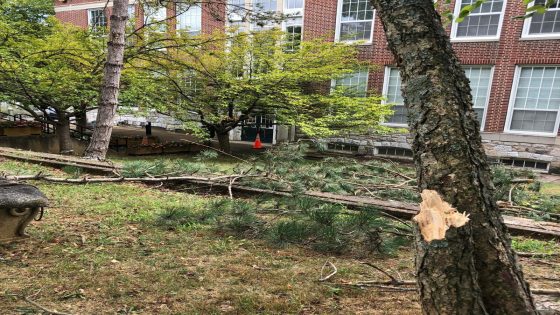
column 79, row 17
column 320, row 22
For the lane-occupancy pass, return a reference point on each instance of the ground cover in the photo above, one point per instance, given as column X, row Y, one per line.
column 123, row 248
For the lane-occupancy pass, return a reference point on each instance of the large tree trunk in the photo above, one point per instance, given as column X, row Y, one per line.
column 63, row 133
column 99, row 144
column 474, row 269
column 223, row 141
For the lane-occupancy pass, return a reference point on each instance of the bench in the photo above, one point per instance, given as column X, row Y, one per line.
column 19, row 205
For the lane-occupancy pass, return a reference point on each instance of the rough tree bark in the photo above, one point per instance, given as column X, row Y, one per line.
column 101, row 136
column 63, row 133
column 474, row 269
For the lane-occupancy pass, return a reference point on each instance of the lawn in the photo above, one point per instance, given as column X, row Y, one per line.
column 103, row 249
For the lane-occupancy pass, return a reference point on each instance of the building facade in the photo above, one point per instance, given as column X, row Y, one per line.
column 513, row 65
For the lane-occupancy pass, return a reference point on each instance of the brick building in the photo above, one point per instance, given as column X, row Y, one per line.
column 513, row 65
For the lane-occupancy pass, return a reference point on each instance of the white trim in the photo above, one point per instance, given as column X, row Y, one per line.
column 339, row 24
column 512, row 96
column 485, row 108
column 86, row 6
column 541, row 36
column 89, row 17
column 455, row 39
column 333, row 81
column 491, row 80
column 386, row 75
column 294, row 12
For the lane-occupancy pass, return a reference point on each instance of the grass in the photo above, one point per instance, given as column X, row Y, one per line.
column 132, row 249
column 551, row 189
column 101, row 249
column 522, row 244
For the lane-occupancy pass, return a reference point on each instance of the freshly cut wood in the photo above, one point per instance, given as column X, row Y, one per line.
column 437, row 216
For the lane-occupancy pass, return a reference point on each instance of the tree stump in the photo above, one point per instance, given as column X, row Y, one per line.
column 19, row 205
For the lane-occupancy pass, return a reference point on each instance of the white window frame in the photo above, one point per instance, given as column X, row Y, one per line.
column 177, row 19
column 254, row 27
column 483, row 122
column 295, row 12
column 454, row 25
column 285, row 25
column 384, row 93
column 527, row 25
column 339, row 27
column 512, row 96
column 153, row 19
column 333, row 81
column 234, row 16
column 89, row 12
column 485, row 109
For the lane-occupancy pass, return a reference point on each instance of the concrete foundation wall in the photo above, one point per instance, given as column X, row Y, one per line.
column 497, row 146
column 43, row 143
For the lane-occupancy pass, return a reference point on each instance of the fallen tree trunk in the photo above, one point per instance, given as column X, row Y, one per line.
column 86, row 180
column 390, row 208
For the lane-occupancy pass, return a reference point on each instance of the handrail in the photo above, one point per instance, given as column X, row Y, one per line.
column 78, row 131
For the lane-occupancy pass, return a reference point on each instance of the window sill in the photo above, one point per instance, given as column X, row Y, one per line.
column 529, row 133
column 540, row 37
column 395, row 125
column 354, row 42
column 474, row 39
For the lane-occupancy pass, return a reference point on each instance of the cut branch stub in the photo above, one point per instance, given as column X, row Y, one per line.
column 437, row 216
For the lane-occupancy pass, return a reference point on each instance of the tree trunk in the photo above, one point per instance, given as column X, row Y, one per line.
column 63, row 133
column 223, row 140
column 101, row 136
column 474, row 269
column 81, row 119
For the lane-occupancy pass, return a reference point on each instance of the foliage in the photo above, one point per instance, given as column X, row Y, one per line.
column 529, row 245
column 228, row 78
column 528, row 195
column 325, row 227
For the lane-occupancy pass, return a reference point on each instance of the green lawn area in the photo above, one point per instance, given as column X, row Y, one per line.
column 102, row 249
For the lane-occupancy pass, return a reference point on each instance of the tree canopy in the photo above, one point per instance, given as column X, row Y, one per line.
column 230, row 77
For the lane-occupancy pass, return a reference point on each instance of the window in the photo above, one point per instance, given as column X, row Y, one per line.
column 480, row 81
column 236, row 10
column 393, row 151
column 354, row 84
column 189, row 18
column 97, row 19
column 265, row 5
column 131, row 11
column 480, row 78
column 293, row 5
column 156, row 16
column 355, row 20
column 343, row 146
column 482, row 23
column 535, row 100
column 543, row 25
column 539, row 166
column 262, row 20
column 293, row 33
column 392, row 91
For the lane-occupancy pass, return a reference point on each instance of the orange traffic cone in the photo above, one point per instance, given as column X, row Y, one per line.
column 257, row 144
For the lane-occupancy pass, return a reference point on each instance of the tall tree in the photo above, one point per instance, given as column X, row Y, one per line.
column 47, row 69
column 227, row 79
column 99, row 144
column 474, row 269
